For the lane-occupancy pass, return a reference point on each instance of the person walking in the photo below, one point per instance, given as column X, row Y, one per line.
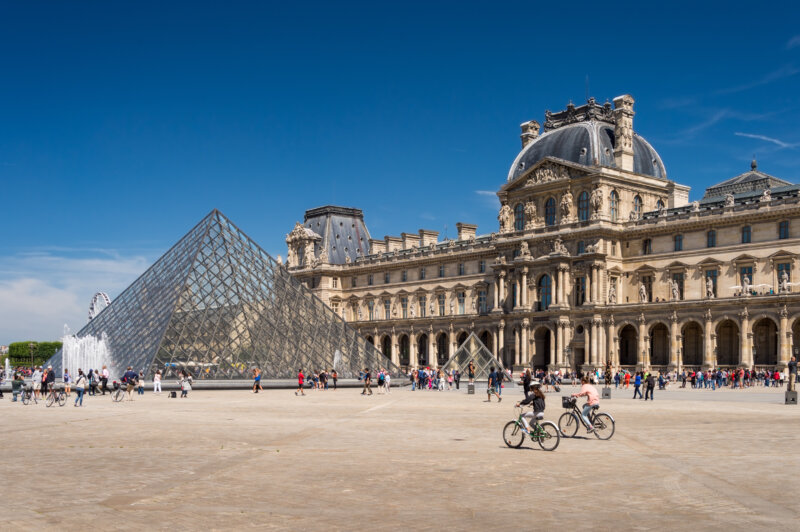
column 335, row 377
column 387, row 378
column 104, row 379
column 792, row 373
column 627, row 380
column 492, row 386
column 17, row 386
column 80, row 387
column 457, row 378
column 67, row 382
column 650, row 384
column 367, row 382
column 256, row 380
column 637, row 383
column 129, row 378
column 157, row 382
column 36, row 380
column 186, row 384
column 471, row 372
column 300, row 378
column 526, row 382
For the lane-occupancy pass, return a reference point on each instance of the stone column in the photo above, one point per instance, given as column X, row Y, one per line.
column 784, row 343
column 708, row 346
column 515, row 304
column 395, row 351
column 744, row 340
column 595, row 328
column 496, row 294
column 560, row 274
column 553, row 359
column 589, row 286
column 642, row 360
column 610, row 333
column 523, row 289
column 524, row 358
column 673, row 341
column 595, row 285
column 559, row 344
column 432, row 358
column 413, row 360
column 501, row 339
column 495, row 349
column 516, row 346
column 502, row 289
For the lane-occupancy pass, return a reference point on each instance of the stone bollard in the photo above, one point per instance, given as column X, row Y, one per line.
column 471, row 388
column 791, row 398
column 606, row 393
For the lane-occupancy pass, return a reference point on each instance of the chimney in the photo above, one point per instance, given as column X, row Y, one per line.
column 466, row 231
column 393, row 243
column 410, row 240
column 428, row 237
column 623, row 132
column 530, row 131
column 377, row 246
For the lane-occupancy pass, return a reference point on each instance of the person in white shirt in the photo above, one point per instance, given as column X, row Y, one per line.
column 157, row 382
column 104, row 379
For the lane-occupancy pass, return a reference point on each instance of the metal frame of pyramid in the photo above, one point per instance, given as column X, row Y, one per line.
column 216, row 305
column 473, row 349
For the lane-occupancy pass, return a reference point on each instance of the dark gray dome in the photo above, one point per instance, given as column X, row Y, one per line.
column 590, row 143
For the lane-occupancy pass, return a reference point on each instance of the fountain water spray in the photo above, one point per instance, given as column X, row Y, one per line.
column 86, row 353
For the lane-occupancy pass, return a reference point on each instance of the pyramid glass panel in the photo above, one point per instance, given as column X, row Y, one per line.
column 216, row 306
column 473, row 350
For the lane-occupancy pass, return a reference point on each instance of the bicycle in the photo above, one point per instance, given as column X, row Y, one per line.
column 570, row 420
column 26, row 396
column 117, row 393
column 52, row 397
column 546, row 433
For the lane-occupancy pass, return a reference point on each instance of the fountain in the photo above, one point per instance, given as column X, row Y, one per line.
column 7, row 373
column 85, row 353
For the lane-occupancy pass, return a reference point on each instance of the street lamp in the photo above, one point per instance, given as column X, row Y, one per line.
column 31, row 347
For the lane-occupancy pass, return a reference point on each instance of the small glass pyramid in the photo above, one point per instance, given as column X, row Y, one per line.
column 216, row 305
column 473, row 350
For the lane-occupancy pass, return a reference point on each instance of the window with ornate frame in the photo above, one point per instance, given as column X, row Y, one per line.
column 583, row 206
column 550, row 211
column 519, row 217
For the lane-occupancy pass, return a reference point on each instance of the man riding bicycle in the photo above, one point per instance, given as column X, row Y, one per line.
column 593, row 399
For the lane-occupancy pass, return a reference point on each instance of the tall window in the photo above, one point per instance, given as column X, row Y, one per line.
column 353, row 282
column 583, row 206
column 422, row 306
column 545, row 292
column 783, row 230
column 647, row 246
column 550, row 211
column 581, row 247
column 386, row 277
column 441, row 270
column 647, row 281
column 748, row 271
column 422, row 273
column 678, row 279
column 519, row 217
column 678, row 242
column 614, row 206
column 387, row 309
column 746, row 234
column 711, row 274
column 482, row 266
column 404, row 306
column 404, row 276
column 369, row 279
column 335, row 307
column 513, row 294
column 580, row 291
column 711, row 239
column 659, row 205
column 462, row 296
column 460, row 268
column 482, row 308
column 371, row 309
column 440, row 299
column 637, row 206
column 334, row 282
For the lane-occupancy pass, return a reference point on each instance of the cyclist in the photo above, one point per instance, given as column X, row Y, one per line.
column 592, row 399
column 536, row 399
column 51, row 380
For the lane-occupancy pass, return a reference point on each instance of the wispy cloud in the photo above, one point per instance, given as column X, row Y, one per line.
column 707, row 123
column 42, row 291
column 765, row 138
column 793, row 42
column 489, row 198
column 783, row 72
column 491, row 193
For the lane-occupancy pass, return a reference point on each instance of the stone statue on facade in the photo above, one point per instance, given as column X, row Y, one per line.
column 413, row 310
column 559, row 247
column 506, row 218
column 784, row 281
column 432, row 306
column 323, row 255
column 747, row 285
column 360, row 315
column 452, row 307
column 612, row 295
column 524, row 250
column 633, row 216
column 596, row 200
column 695, row 206
column 347, row 259
column 279, row 260
column 530, row 214
column 766, row 196
column 643, row 293
column 566, row 205
column 394, row 310
column 675, row 291
column 729, row 201
column 709, row 288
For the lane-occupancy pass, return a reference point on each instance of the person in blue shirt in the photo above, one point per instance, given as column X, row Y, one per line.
column 637, row 386
column 492, row 386
column 129, row 378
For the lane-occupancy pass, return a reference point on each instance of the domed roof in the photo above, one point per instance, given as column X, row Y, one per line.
column 590, row 143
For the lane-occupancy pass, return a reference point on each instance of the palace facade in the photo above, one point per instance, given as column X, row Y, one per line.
column 597, row 257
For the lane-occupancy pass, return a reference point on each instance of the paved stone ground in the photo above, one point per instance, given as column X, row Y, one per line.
column 224, row 460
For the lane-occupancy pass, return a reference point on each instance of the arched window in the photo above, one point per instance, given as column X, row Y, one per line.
column 519, row 217
column 545, row 292
column 614, row 205
column 583, row 206
column 637, row 206
column 550, row 211
column 659, row 205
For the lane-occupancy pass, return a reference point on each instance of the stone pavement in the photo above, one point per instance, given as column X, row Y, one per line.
column 230, row 460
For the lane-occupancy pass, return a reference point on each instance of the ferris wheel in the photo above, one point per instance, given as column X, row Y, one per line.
column 99, row 302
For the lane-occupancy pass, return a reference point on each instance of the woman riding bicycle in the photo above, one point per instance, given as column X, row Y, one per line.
column 593, row 398
column 536, row 398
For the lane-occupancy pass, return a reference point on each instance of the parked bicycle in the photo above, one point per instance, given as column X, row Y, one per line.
column 27, row 395
column 117, row 393
column 546, row 434
column 56, row 396
column 570, row 420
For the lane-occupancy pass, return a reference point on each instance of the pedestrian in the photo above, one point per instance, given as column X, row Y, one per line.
column 457, row 378
column 335, row 377
column 36, row 379
column 381, row 381
column 616, row 380
column 637, row 383
column 650, row 384
column 526, row 382
column 471, row 372
column 792, row 373
column 80, row 386
column 186, row 384
column 157, row 382
column 140, row 383
column 90, row 379
column 67, row 382
column 104, row 379
column 17, row 385
column 129, row 379
column 492, row 386
column 256, row 380
column 367, row 382
column 300, row 378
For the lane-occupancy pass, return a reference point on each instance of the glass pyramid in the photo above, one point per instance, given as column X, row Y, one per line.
column 216, row 305
column 474, row 350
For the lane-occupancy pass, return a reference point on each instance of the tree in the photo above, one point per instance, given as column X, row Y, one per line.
column 19, row 353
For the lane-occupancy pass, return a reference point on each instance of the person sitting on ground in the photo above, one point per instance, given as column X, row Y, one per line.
column 535, row 399
column 592, row 399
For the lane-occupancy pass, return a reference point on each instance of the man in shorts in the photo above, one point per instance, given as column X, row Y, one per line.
column 36, row 378
column 300, row 378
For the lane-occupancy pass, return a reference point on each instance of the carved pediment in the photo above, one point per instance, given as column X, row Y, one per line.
column 547, row 170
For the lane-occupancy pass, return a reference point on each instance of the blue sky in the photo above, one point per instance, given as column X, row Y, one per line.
column 124, row 123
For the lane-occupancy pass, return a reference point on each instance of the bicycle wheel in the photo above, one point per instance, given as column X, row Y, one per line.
column 603, row 426
column 50, row 400
column 568, row 424
column 549, row 436
column 513, row 435
column 26, row 398
column 117, row 395
column 62, row 399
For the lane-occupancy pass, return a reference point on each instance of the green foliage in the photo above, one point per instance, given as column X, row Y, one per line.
column 19, row 353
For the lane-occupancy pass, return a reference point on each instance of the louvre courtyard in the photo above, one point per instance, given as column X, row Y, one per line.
column 416, row 460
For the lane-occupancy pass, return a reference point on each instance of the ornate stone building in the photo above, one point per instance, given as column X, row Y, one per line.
column 598, row 256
